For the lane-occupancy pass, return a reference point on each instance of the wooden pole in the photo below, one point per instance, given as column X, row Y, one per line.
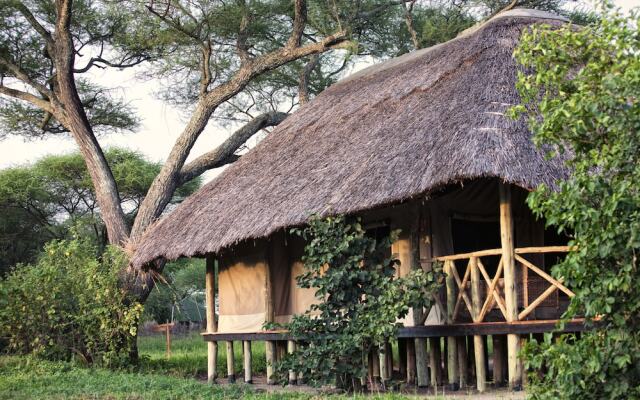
column 500, row 359
column 375, row 357
column 462, row 361
column 411, row 361
column 231, row 374
column 402, row 357
column 389, row 357
column 246, row 345
column 212, row 324
column 452, row 347
column 511, row 294
column 435, row 364
column 168, row 334
column 415, row 253
column 291, row 348
column 270, row 346
column 384, row 373
column 478, row 343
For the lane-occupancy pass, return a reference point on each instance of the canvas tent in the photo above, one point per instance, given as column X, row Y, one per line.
column 421, row 143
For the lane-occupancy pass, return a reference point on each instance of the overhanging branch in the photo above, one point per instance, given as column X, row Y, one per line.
column 225, row 153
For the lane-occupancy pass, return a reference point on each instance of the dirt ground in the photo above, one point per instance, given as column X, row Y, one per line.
column 259, row 384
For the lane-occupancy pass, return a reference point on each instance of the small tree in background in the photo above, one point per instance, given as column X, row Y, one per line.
column 359, row 302
column 583, row 100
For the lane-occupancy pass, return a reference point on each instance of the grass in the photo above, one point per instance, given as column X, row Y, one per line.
column 189, row 356
column 180, row 377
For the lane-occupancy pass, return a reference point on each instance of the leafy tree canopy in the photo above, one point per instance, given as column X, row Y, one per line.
column 582, row 97
column 41, row 201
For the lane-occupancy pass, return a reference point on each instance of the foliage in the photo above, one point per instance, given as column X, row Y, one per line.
column 582, row 97
column 68, row 305
column 40, row 202
column 359, row 301
column 181, row 280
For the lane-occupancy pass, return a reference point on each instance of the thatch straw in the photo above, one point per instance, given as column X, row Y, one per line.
column 393, row 132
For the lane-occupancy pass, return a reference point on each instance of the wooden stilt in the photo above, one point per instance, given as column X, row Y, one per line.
column 270, row 346
column 402, row 357
column 246, row 356
column 511, row 294
column 212, row 324
column 452, row 347
column 411, row 361
column 384, row 372
column 478, row 341
column 270, row 352
column 231, row 374
column 462, row 361
column 389, row 358
column 291, row 348
column 435, row 362
column 375, row 357
column 422, row 371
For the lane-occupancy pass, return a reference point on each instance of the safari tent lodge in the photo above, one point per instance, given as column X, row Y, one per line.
column 419, row 143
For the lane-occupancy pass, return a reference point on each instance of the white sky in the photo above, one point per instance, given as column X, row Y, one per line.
column 160, row 126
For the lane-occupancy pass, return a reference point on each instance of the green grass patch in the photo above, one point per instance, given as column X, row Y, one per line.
column 180, row 377
column 189, row 356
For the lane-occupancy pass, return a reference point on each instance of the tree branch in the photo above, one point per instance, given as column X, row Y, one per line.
column 408, row 19
column 303, row 86
column 299, row 22
column 224, row 154
column 123, row 64
column 35, row 100
column 42, row 31
column 22, row 75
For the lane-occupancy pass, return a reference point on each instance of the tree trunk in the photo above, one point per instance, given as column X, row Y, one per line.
column 71, row 111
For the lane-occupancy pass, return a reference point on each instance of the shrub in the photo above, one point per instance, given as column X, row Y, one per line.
column 359, row 302
column 68, row 305
column 583, row 94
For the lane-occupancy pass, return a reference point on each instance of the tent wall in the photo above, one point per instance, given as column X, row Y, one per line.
column 243, row 269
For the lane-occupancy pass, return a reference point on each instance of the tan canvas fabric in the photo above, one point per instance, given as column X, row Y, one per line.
column 241, row 288
column 242, row 272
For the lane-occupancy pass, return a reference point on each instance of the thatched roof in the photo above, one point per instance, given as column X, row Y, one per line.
column 389, row 133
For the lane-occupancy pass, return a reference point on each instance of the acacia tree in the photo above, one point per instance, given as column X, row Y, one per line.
column 42, row 201
column 231, row 58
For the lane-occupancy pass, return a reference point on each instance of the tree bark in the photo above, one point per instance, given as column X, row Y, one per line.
column 73, row 114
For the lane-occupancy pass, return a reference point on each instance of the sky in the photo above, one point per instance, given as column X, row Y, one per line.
column 160, row 125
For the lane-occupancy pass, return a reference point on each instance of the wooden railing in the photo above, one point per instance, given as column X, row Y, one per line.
column 466, row 291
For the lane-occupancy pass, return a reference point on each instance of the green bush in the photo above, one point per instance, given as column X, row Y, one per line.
column 68, row 305
column 359, row 302
column 582, row 93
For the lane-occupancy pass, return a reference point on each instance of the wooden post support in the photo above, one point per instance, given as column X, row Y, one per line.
column 478, row 342
column 270, row 352
column 511, row 294
column 402, row 357
column 246, row 346
column 389, row 357
column 231, row 374
column 291, row 348
column 168, row 334
column 212, row 324
column 499, row 359
column 375, row 357
column 384, row 372
column 452, row 347
column 411, row 361
column 462, row 361
column 412, row 256
column 435, row 364
column 270, row 346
